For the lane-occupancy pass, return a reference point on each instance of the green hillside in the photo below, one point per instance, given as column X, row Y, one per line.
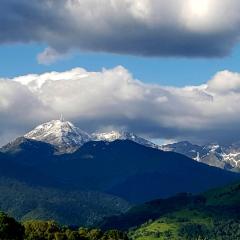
column 213, row 215
column 188, row 225
column 171, row 226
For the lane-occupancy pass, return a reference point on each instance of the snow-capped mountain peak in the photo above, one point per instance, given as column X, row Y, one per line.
column 67, row 138
column 61, row 134
column 122, row 135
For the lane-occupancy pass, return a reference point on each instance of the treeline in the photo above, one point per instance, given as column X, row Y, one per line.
column 10, row 229
column 221, row 230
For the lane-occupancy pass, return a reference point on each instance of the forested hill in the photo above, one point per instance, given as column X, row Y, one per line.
column 220, row 203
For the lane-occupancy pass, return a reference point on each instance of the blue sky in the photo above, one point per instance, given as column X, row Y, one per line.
column 20, row 59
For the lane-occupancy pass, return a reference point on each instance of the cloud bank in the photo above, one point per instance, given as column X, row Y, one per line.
column 113, row 99
column 190, row 28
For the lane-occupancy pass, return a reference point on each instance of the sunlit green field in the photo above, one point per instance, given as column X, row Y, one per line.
column 169, row 227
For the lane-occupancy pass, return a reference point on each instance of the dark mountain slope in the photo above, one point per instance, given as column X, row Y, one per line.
column 28, row 152
column 14, row 169
column 138, row 173
column 123, row 168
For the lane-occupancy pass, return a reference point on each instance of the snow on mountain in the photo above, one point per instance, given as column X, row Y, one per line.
column 61, row 134
column 226, row 157
column 67, row 138
column 121, row 135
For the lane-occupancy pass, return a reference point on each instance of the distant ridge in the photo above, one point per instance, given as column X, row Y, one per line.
column 223, row 156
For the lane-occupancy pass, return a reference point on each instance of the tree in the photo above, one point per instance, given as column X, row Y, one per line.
column 60, row 236
column 10, row 229
column 194, row 231
column 41, row 230
column 114, row 235
column 83, row 232
column 95, row 234
column 73, row 235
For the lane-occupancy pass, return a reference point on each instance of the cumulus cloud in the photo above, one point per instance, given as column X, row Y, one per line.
column 113, row 99
column 224, row 82
column 207, row 28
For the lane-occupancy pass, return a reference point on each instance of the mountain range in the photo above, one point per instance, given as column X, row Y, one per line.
column 121, row 167
column 222, row 156
column 67, row 138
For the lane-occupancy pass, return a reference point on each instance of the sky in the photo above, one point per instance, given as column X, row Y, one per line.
column 20, row 59
column 162, row 69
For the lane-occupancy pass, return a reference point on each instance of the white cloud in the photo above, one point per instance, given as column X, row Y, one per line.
column 112, row 98
column 225, row 82
column 140, row 27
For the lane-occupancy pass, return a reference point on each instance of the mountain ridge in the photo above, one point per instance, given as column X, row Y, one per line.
column 223, row 156
column 122, row 135
column 122, row 168
column 67, row 138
